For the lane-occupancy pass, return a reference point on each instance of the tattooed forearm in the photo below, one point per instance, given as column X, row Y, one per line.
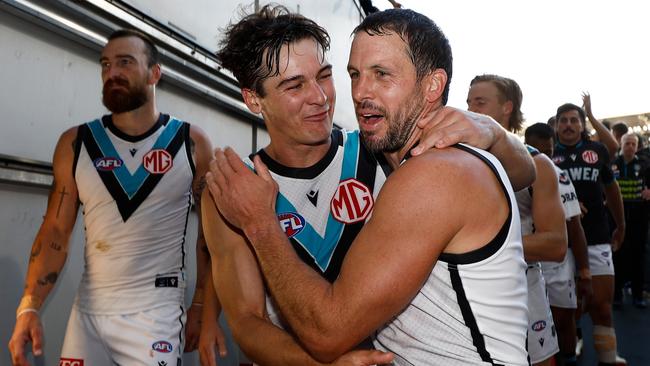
column 35, row 252
column 56, row 246
column 63, row 194
column 49, row 279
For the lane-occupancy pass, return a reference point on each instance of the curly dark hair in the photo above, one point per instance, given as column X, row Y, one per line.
column 251, row 47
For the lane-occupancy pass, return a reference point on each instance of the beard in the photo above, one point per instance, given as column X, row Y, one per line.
column 400, row 126
column 120, row 100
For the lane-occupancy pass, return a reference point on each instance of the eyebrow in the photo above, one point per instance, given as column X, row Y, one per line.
column 103, row 58
column 301, row 77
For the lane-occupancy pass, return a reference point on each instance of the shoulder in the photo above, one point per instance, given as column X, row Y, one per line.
column 198, row 135
column 450, row 169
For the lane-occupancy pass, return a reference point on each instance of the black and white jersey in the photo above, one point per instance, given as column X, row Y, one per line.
column 587, row 164
column 322, row 208
column 472, row 310
column 136, row 196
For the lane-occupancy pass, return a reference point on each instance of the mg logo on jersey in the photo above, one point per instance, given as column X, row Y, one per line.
column 157, row 161
column 352, row 202
column 558, row 159
column 590, row 157
column 539, row 325
column 291, row 223
column 71, row 362
column 107, row 163
column 162, row 347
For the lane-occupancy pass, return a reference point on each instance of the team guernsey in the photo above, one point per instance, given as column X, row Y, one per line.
column 136, row 196
column 587, row 164
column 472, row 309
column 542, row 337
column 323, row 207
column 559, row 276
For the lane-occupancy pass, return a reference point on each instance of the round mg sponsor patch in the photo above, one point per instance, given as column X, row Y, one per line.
column 558, row 159
column 157, row 161
column 352, row 202
column 590, row 156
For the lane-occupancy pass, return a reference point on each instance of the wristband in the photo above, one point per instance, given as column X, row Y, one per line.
column 197, row 304
column 30, row 303
column 26, row 310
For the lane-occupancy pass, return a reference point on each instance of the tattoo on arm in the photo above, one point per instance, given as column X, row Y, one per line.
column 63, row 194
column 35, row 252
column 49, row 279
column 56, row 246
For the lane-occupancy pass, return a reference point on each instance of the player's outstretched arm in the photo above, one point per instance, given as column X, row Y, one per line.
column 49, row 251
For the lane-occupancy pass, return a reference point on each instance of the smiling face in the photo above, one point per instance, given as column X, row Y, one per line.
column 388, row 98
column 298, row 104
column 128, row 79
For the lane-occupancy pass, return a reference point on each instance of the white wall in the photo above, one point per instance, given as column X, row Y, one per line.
column 204, row 19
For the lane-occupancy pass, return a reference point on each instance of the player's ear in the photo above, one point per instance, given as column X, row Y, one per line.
column 252, row 100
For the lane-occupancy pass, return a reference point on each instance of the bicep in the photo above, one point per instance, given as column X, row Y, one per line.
column 63, row 200
column 236, row 275
column 394, row 253
column 548, row 213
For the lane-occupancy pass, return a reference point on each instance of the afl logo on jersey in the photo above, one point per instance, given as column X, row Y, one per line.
column 107, row 163
column 71, row 362
column 564, row 179
column 590, row 157
column 157, row 161
column 558, row 159
column 352, row 202
column 162, row 347
column 538, row 326
column 291, row 223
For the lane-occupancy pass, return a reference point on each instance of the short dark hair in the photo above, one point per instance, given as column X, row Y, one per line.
column 251, row 47
column 428, row 48
column 567, row 107
column 539, row 130
column 509, row 90
column 150, row 47
column 620, row 128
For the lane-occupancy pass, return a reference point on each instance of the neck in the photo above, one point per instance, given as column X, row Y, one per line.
column 627, row 159
column 298, row 156
column 138, row 121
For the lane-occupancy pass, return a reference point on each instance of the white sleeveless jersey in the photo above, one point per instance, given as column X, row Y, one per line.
column 136, row 196
column 323, row 207
column 472, row 310
column 567, row 194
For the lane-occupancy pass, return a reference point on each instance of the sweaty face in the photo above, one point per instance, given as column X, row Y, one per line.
column 125, row 75
column 299, row 102
column 387, row 98
column 569, row 127
column 484, row 97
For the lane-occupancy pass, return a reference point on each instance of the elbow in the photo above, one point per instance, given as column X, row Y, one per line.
column 326, row 347
column 560, row 250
